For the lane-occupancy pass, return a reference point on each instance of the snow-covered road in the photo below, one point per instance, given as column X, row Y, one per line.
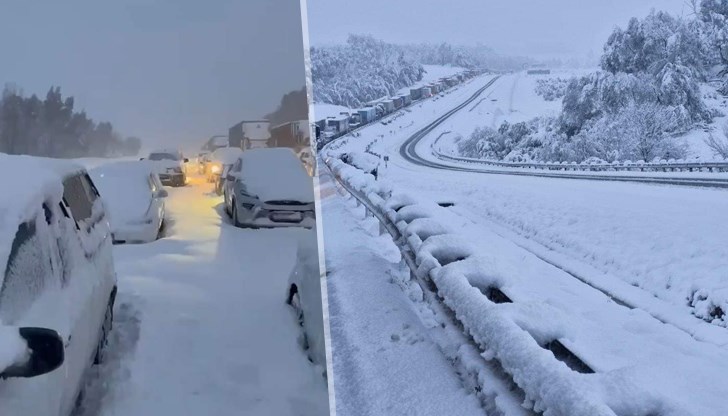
column 385, row 360
column 664, row 240
column 657, row 249
column 201, row 323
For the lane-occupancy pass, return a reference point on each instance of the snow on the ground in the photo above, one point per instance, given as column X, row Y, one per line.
column 664, row 240
column 384, row 361
column 512, row 98
column 201, row 324
column 642, row 366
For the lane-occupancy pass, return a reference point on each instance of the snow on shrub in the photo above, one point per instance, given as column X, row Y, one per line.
column 551, row 89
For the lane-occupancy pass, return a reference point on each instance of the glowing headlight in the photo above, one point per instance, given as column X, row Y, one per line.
column 215, row 169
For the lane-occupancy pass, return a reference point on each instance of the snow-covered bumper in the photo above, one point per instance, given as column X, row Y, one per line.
column 274, row 215
column 136, row 233
column 172, row 178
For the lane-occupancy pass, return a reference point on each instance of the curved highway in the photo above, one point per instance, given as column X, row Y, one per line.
column 408, row 151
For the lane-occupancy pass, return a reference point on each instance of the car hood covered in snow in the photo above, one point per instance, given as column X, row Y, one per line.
column 276, row 174
column 124, row 187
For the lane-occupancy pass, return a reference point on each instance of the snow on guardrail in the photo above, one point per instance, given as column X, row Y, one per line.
column 523, row 338
column 549, row 385
column 624, row 166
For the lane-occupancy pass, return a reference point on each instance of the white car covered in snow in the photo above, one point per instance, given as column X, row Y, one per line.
column 304, row 295
column 269, row 188
column 134, row 197
column 57, row 288
column 170, row 166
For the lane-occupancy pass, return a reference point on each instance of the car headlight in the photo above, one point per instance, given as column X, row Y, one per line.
column 216, row 169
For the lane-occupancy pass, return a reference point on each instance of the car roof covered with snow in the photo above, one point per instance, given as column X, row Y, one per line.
column 276, row 173
column 42, row 180
column 124, row 187
column 226, row 155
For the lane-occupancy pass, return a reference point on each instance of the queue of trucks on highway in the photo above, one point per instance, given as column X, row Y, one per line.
column 332, row 127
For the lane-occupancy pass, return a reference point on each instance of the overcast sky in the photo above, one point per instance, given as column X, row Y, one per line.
column 535, row 28
column 165, row 70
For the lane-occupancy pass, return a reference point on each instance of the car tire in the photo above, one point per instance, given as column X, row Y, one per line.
column 234, row 215
column 104, row 336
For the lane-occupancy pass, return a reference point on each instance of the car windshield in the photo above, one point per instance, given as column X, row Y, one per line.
column 163, row 156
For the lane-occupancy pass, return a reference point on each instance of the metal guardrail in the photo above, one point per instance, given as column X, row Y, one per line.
column 430, row 295
column 589, row 167
column 421, row 274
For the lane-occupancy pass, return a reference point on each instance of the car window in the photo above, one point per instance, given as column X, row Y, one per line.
column 77, row 197
column 27, row 272
column 88, row 185
column 163, row 156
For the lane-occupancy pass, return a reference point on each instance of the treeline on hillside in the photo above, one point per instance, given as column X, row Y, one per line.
column 365, row 68
column 51, row 127
column 476, row 56
column 647, row 92
column 362, row 70
column 293, row 107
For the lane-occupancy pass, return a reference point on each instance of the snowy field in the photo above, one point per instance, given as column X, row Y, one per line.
column 574, row 251
column 189, row 338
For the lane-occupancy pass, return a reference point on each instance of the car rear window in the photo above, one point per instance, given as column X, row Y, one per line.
column 163, row 156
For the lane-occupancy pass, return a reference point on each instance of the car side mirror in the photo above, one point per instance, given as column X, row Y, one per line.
column 162, row 193
column 46, row 353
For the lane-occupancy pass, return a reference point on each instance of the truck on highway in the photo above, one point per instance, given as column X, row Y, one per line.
column 249, row 134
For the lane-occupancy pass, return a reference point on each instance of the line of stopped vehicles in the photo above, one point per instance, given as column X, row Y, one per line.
column 59, row 285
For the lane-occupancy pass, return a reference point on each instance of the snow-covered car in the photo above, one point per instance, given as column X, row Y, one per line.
column 269, row 188
column 134, row 197
column 304, row 296
column 57, row 288
column 170, row 166
column 220, row 162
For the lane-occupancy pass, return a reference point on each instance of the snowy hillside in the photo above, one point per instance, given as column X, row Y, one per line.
column 362, row 70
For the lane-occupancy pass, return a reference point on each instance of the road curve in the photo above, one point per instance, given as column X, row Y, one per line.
column 408, row 152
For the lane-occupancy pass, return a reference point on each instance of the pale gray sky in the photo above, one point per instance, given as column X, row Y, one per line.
column 168, row 71
column 516, row 27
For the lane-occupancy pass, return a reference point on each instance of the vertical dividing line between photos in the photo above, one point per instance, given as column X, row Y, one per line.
column 317, row 204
